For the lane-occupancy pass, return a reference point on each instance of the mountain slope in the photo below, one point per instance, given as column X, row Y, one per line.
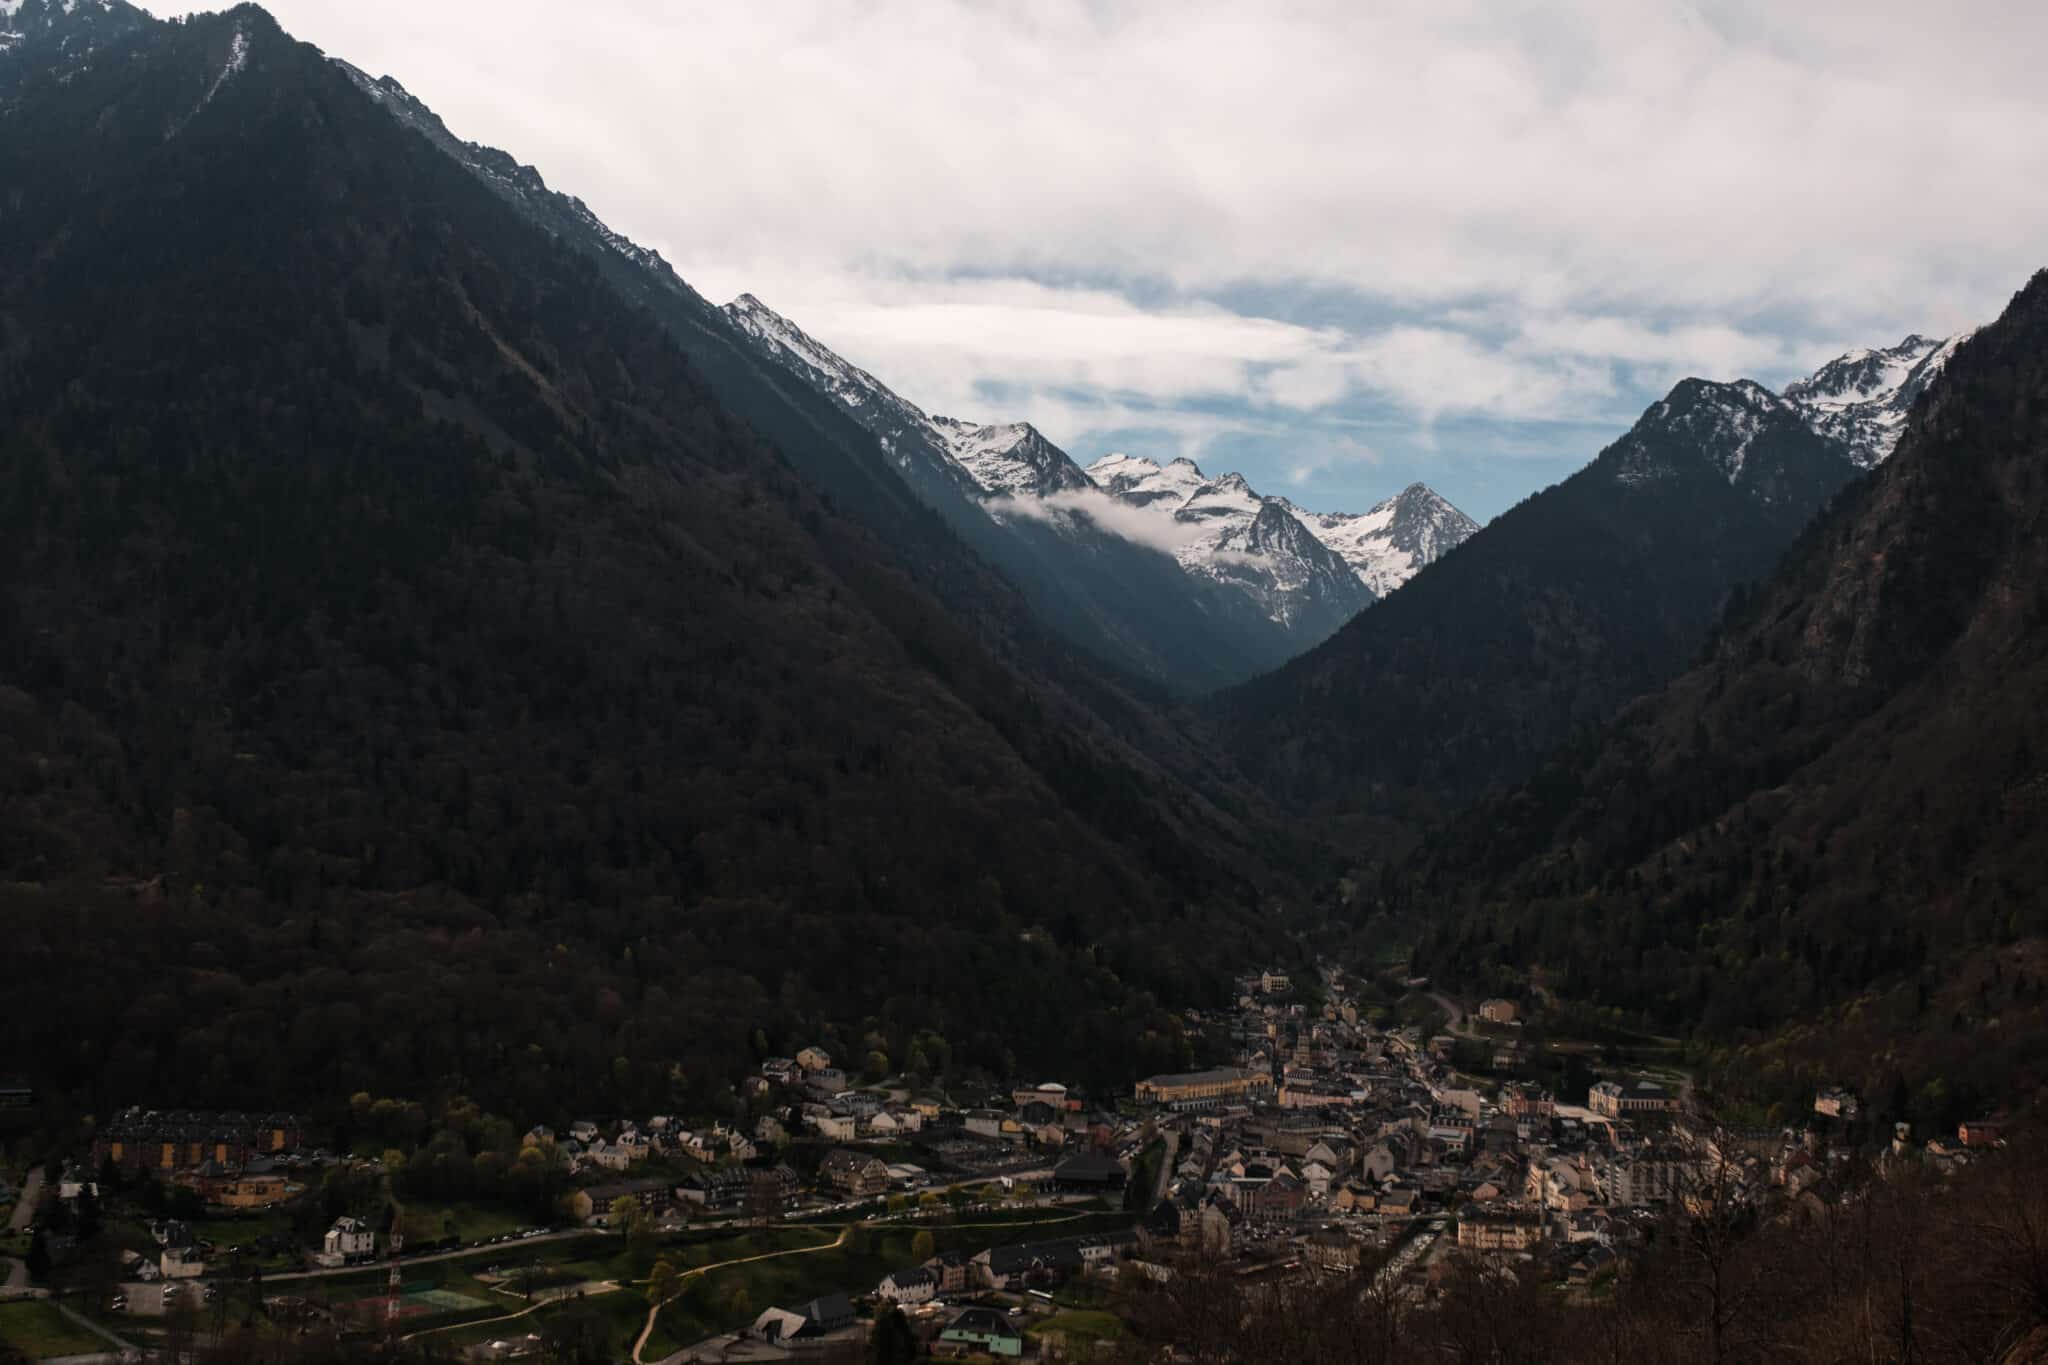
column 1541, row 624
column 1844, row 797
column 1196, row 623
column 1862, row 398
column 1396, row 540
column 403, row 616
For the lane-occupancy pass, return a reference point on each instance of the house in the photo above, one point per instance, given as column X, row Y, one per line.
column 1332, row 1250
column 608, row 1155
column 826, row 1080
column 1837, row 1104
column 908, row 1287
column 814, row 1059
column 984, row 1330
column 1499, row 1229
column 781, row 1070
column 954, row 1271
column 837, row 1127
column 583, row 1130
column 1047, row 1092
column 771, row 1131
column 1014, row 1267
column 1498, row 1011
column 854, row 1174
column 595, row 1201
column 350, row 1239
column 819, row 1317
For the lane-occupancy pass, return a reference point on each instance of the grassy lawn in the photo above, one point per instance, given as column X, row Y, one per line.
column 39, row 1332
column 240, row 1229
column 467, row 1222
column 1082, row 1328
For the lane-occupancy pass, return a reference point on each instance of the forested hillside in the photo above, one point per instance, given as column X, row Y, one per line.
column 1539, row 626
column 1834, row 818
column 404, row 641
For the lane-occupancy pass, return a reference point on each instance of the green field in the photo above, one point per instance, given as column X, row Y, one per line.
column 466, row 1222
column 39, row 1331
column 1080, row 1328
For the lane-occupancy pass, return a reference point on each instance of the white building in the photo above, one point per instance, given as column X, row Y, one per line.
column 349, row 1239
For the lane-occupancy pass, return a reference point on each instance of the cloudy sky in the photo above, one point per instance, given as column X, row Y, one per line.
column 1340, row 247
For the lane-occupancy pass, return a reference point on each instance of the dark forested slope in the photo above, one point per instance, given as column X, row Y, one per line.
column 1845, row 794
column 413, row 670
column 1541, row 624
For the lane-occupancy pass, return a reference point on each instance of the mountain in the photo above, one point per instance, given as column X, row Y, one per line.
column 60, row 35
column 1823, row 837
column 1542, row 623
column 1121, row 602
column 1384, row 547
column 1862, row 398
column 1224, row 531
column 1201, row 602
column 406, row 639
column 1395, row 540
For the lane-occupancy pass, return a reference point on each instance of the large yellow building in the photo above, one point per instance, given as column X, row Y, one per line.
column 1205, row 1089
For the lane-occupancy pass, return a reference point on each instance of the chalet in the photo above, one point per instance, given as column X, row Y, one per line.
column 909, row 1287
column 1498, row 1011
column 1015, row 1267
column 953, row 1271
column 982, row 1330
column 781, row 1070
column 595, row 1201
column 814, row 1059
column 854, row 1174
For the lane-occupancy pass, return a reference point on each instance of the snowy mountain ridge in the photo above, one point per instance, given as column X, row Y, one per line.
column 1005, row 460
column 1862, row 398
column 1383, row 547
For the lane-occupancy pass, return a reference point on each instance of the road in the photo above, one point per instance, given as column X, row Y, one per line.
column 13, row 1273
column 1166, row 1167
column 1457, row 1013
column 31, row 1196
column 459, row 1253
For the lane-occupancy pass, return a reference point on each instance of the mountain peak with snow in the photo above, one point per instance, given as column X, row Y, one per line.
column 1863, row 397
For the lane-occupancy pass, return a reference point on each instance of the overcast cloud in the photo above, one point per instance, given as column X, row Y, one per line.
column 1339, row 246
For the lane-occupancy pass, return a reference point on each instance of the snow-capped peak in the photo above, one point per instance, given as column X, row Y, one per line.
column 1397, row 539
column 1002, row 460
column 1862, row 398
column 1699, row 419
